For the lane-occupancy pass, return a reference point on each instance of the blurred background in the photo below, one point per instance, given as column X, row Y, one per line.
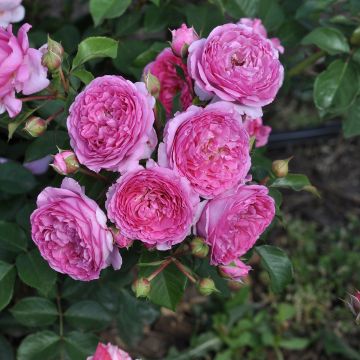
column 309, row 320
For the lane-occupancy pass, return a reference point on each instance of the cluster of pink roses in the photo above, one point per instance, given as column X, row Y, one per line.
column 199, row 182
column 21, row 70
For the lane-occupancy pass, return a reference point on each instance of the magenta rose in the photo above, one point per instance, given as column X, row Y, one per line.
column 235, row 271
column 153, row 205
column 259, row 28
column 232, row 222
column 182, row 38
column 171, row 83
column 256, row 129
column 71, row 233
column 20, row 69
column 11, row 11
column 111, row 124
column 236, row 63
column 109, row 352
column 209, row 146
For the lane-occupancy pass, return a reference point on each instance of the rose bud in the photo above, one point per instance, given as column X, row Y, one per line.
column 152, row 84
column 65, row 163
column 354, row 305
column 55, row 47
column 235, row 271
column 120, row 240
column 199, row 248
column 281, row 167
column 141, row 287
column 182, row 38
column 109, row 352
column 206, row 287
column 35, row 126
column 53, row 55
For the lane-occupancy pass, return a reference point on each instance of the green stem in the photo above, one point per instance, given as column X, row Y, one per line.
column 61, row 321
column 55, row 115
column 300, row 67
column 94, row 174
column 184, row 270
column 159, row 269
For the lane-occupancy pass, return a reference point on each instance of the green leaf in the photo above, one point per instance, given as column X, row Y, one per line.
column 7, row 280
column 356, row 56
column 168, row 287
column 204, row 18
column 35, row 272
column 156, row 2
column 87, row 315
column 351, row 122
column 271, row 14
column 15, row 179
column 297, row 182
column 6, row 350
column 107, row 9
column 277, row 264
column 150, row 54
column 242, row 8
column 132, row 316
column 47, row 145
column 41, row 345
column 85, row 76
column 328, row 39
column 79, row 345
column 95, row 47
column 35, row 311
column 336, row 88
column 294, row 343
column 12, row 237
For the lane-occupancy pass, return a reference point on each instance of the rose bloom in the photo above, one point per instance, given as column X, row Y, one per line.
column 171, row 83
column 111, row 124
column 259, row 28
column 20, row 69
column 182, row 38
column 209, row 146
column 109, row 352
column 236, row 64
column 71, row 233
column 235, row 271
column 255, row 128
column 153, row 205
column 11, row 11
column 232, row 222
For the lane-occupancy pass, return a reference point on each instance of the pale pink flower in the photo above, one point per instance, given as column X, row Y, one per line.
column 11, row 11
column 182, row 38
column 256, row 129
column 109, row 352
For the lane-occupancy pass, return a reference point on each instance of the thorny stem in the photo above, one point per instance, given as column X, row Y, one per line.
column 63, row 80
column 53, row 116
column 159, row 269
column 41, row 97
column 301, row 66
column 184, row 270
column 94, row 174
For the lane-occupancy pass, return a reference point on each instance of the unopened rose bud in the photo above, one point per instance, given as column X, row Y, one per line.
column 152, row 84
column 206, row 286
column 236, row 270
column 120, row 240
column 55, row 47
column 141, row 287
column 53, row 54
column 51, row 61
column 353, row 304
column 35, row 126
column 65, row 163
column 355, row 37
column 182, row 38
column 281, row 167
column 199, row 248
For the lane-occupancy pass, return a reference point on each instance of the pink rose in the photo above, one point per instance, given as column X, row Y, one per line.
column 259, row 28
column 209, row 146
column 256, row 128
column 71, row 233
column 232, row 222
column 120, row 240
column 153, row 205
column 236, row 64
column 20, row 69
column 65, row 162
column 11, row 11
column 109, row 352
column 182, row 38
column 111, row 124
column 171, row 83
column 235, row 271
